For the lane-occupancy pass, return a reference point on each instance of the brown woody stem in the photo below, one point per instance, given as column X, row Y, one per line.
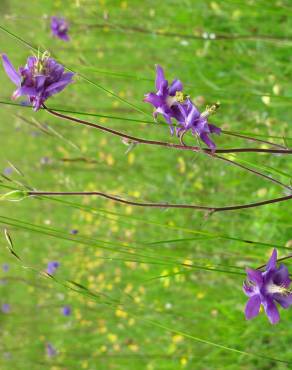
column 161, row 205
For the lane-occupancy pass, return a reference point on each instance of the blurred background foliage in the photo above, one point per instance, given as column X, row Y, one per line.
column 159, row 280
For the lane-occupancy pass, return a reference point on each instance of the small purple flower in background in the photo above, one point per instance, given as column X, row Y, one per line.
column 166, row 97
column 66, row 310
column 5, row 267
column 45, row 161
column 172, row 103
column 7, row 171
column 5, row 308
column 52, row 267
column 191, row 119
column 267, row 288
column 59, row 28
column 39, row 79
column 51, row 351
column 74, row 231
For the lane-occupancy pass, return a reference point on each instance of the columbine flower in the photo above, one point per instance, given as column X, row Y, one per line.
column 51, row 351
column 172, row 103
column 39, row 79
column 189, row 118
column 59, row 28
column 166, row 99
column 52, row 267
column 267, row 288
column 66, row 310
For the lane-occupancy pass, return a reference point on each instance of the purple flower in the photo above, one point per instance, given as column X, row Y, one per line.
column 52, row 267
column 189, row 118
column 166, row 97
column 267, row 288
column 39, row 79
column 45, row 160
column 66, row 310
column 59, row 28
column 5, row 267
column 74, row 231
column 5, row 308
column 172, row 103
column 8, row 171
column 51, row 351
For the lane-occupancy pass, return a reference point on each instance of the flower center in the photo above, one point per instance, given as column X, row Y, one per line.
column 40, row 65
column 63, row 28
column 273, row 289
column 179, row 97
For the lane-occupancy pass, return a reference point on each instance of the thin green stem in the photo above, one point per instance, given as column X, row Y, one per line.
column 257, row 173
column 278, row 260
column 100, row 87
column 230, row 133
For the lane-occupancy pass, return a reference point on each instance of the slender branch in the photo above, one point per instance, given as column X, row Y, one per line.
column 79, row 159
column 253, row 171
column 136, row 120
column 207, row 36
column 230, row 133
column 121, row 134
column 166, row 144
column 160, row 205
column 163, row 143
column 278, row 260
column 225, row 132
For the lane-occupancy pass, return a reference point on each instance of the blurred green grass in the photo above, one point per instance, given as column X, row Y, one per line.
column 204, row 304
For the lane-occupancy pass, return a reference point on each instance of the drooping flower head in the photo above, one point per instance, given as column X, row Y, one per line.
column 59, row 28
column 172, row 103
column 189, row 118
column 52, row 267
column 51, row 351
column 66, row 310
column 267, row 288
column 166, row 97
column 39, row 79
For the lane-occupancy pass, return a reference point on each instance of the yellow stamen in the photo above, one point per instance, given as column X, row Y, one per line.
column 210, row 109
column 180, row 97
column 273, row 288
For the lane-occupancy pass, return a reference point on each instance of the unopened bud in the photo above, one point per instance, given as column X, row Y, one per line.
column 14, row 195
